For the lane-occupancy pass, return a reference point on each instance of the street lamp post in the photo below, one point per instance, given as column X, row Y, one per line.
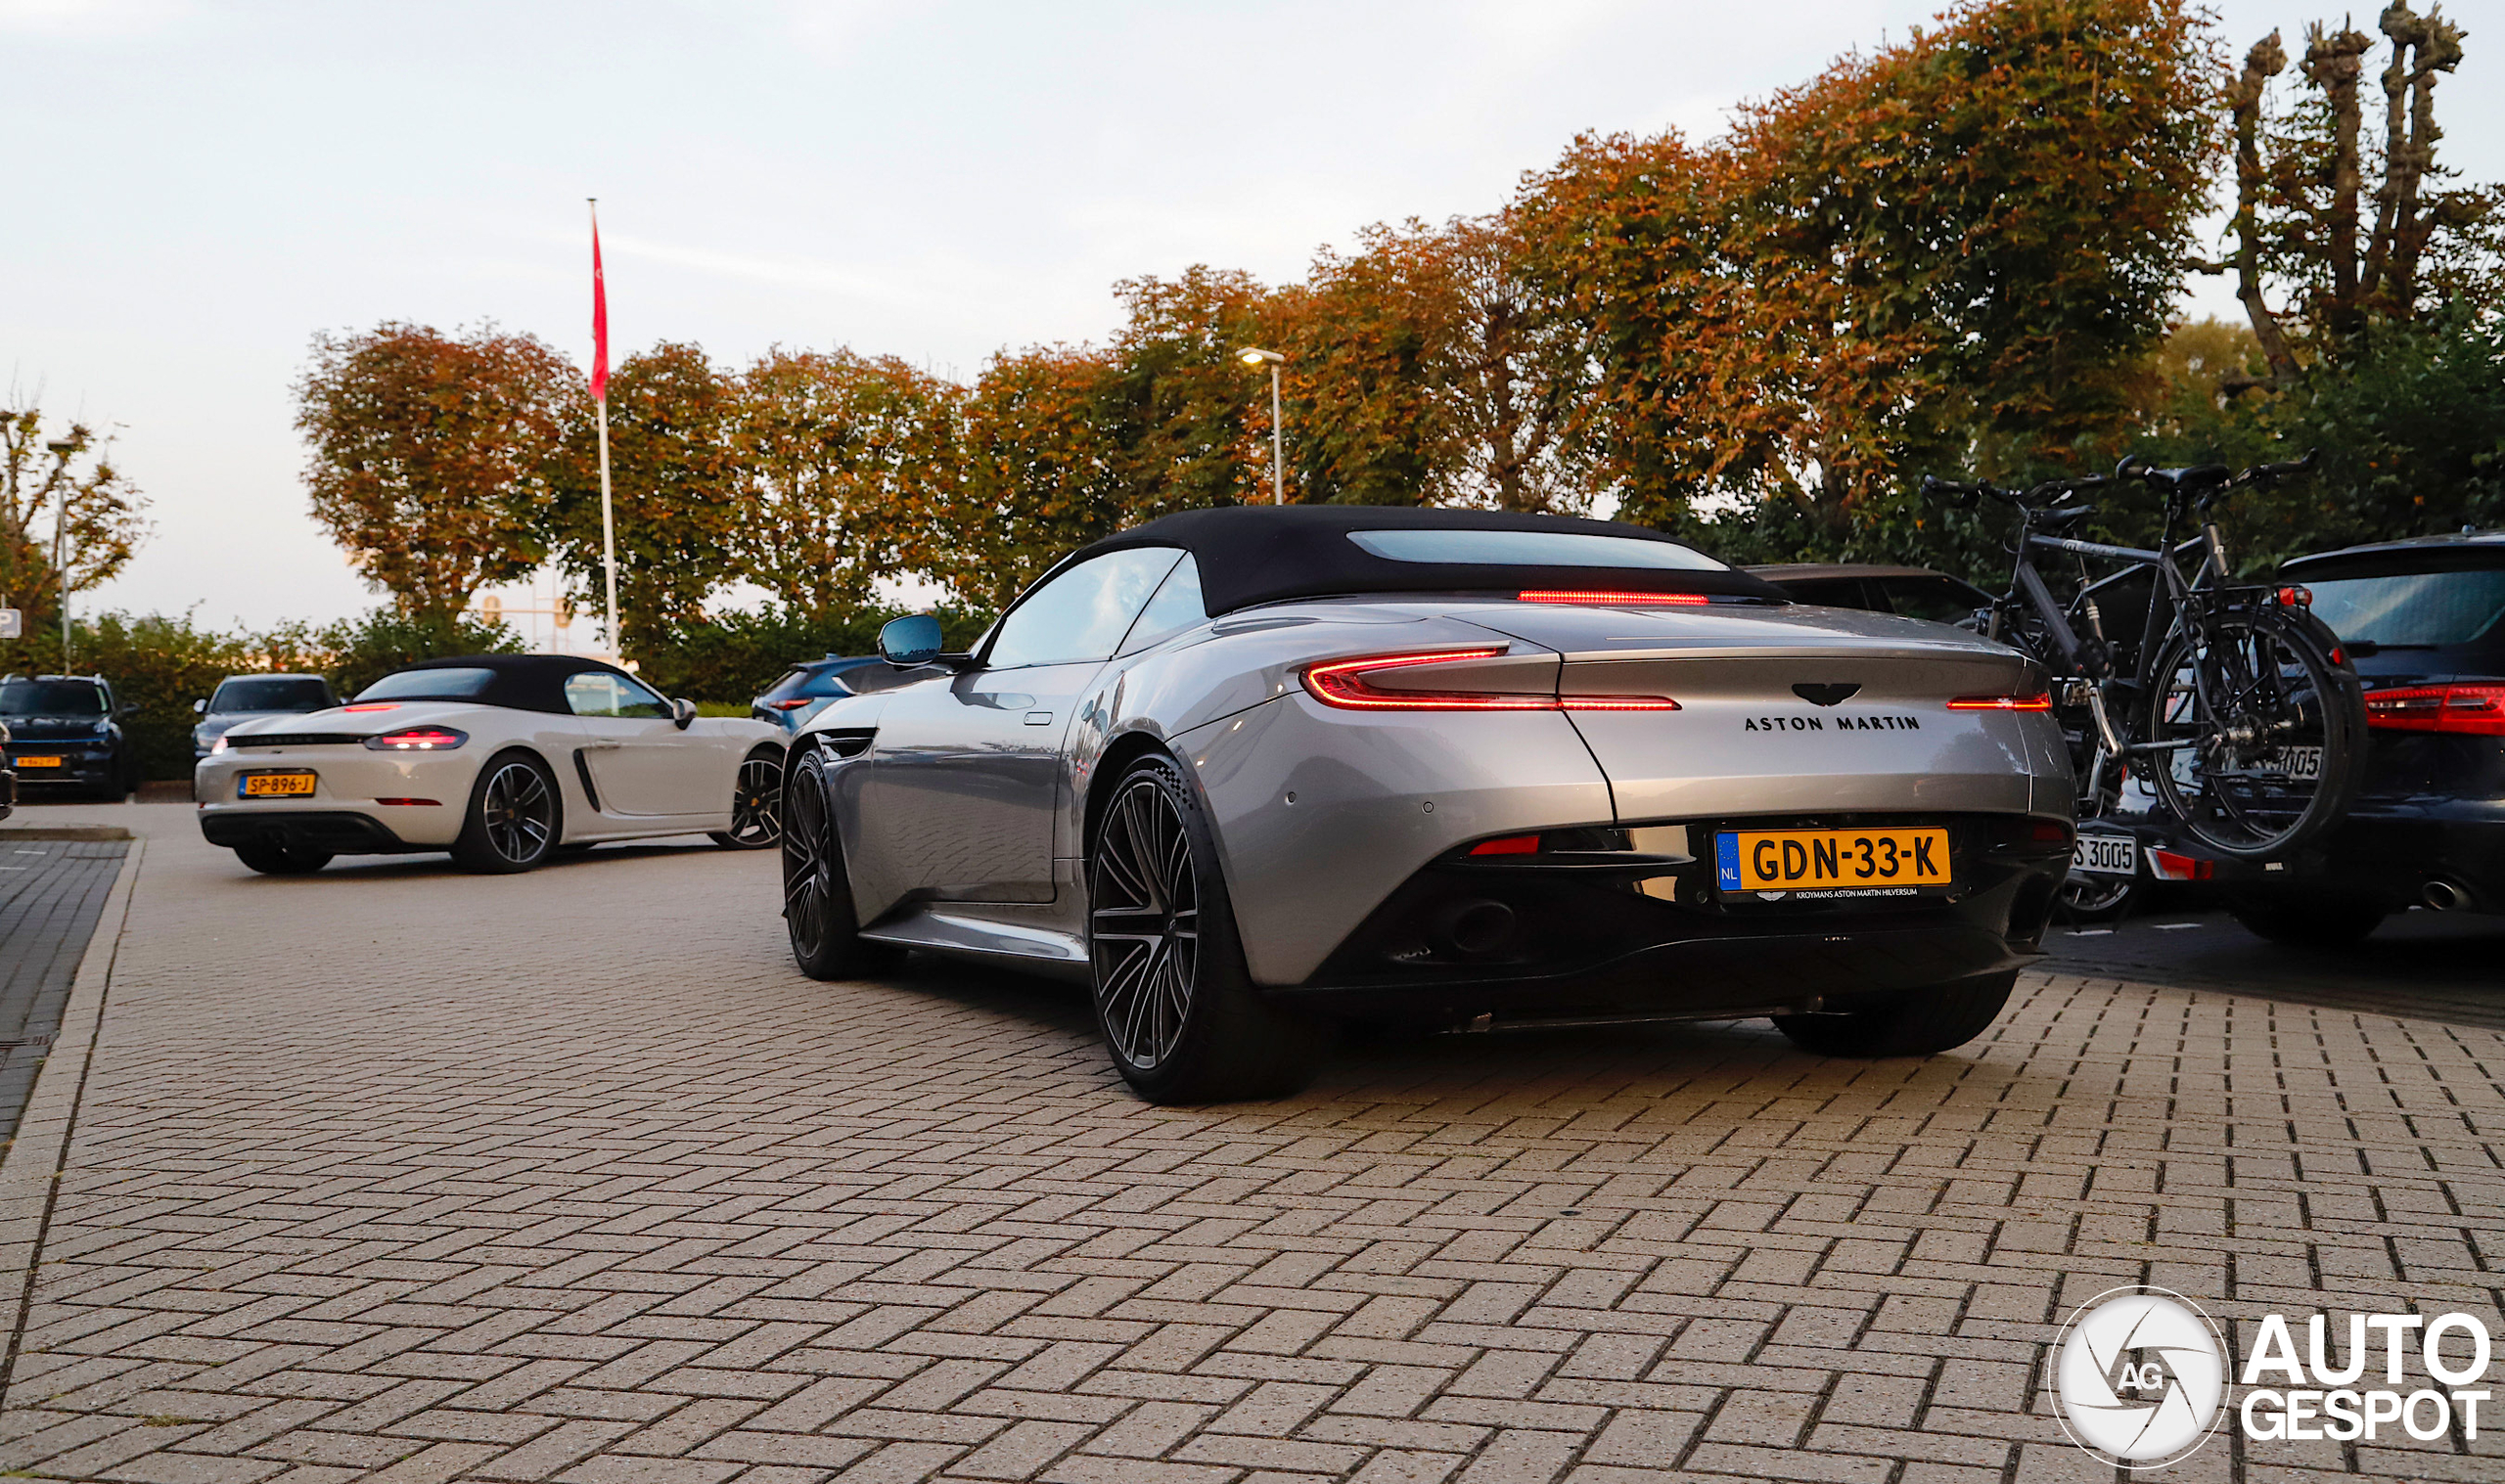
column 62, row 449
column 1278, row 423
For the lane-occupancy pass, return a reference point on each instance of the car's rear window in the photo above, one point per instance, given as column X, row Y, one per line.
column 270, row 696
column 2414, row 607
column 814, row 683
column 1482, row 548
column 450, row 683
column 51, row 697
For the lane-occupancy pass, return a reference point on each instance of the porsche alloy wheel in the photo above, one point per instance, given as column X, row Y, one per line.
column 1177, row 1008
column 818, row 895
column 756, row 806
column 514, row 818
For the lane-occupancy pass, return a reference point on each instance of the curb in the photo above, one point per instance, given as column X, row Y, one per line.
column 31, row 1167
column 64, row 832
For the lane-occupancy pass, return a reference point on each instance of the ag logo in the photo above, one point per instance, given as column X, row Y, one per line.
column 2140, row 1378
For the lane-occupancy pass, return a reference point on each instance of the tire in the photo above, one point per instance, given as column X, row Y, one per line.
column 515, row 818
column 2264, row 683
column 1917, row 1022
column 2097, row 899
column 1175, row 1003
column 2310, row 922
column 282, row 860
column 817, row 894
column 756, row 804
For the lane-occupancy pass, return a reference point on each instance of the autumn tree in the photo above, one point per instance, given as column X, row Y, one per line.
column 674, row 477
column 1427, row 368
column 60, row 485
column 433, row 458
column 1180, row 410
column 1036, row 475
column 1953, row 250
column 843, row 462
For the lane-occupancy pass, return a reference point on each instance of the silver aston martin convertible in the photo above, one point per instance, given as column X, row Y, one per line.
column 1248, row 769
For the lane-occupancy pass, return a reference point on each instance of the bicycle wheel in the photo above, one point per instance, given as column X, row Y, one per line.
column 2261, row 737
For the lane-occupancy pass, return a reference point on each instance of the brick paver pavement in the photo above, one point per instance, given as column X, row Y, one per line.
column 396, row 1173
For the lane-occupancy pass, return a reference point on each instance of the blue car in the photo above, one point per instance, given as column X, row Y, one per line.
column 806, row 688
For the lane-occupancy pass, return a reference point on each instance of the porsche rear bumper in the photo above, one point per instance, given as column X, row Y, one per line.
column 339, row 832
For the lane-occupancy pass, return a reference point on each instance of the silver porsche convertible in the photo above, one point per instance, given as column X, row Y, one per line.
column 1251, row 770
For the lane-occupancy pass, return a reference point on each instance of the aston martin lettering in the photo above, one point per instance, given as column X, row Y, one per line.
column 1839, row 723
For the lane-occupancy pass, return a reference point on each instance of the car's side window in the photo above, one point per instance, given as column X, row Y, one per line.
column 597, row 692
column 1936, row 598
column 1178, row 605
column 1082, row 614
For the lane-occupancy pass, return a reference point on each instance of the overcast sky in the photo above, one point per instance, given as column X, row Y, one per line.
column 197, row 189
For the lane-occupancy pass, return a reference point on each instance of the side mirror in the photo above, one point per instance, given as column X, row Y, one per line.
column 911, row 640
column 200, row 708
column 681, row 713
column 126, row 708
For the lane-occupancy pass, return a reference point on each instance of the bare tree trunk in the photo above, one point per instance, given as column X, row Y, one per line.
column 2421, row 47
column 2266, row 60
column 2334, row 64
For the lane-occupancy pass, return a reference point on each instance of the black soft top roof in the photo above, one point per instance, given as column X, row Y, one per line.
column 522, row 683
column 1256, row 554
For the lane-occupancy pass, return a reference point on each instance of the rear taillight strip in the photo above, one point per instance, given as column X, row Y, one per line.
column 2474, row 710
column 2041, row 700
column 1342, row 683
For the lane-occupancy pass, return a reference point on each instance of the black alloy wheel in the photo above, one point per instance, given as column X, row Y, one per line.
column 756, row 806
column 1145, row 924
column 818, row 895
column 514, row 818
column 1176, row 1004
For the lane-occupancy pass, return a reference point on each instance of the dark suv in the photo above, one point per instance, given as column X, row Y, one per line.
column 804, row 689
column 64, row 733
column 2424, row 621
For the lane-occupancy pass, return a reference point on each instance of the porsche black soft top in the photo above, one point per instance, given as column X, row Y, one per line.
column 1257, row 553
column 516, row 682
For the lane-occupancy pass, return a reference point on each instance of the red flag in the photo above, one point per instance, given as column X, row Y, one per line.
column 599, row 318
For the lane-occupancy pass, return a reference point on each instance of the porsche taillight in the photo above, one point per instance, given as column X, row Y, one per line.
column 2476, row 710
column 1348, row 684
column 418, row 740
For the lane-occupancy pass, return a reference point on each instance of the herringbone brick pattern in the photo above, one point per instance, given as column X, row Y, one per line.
column 396, row 1173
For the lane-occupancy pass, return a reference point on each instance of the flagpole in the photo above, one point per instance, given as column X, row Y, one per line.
column 608, row 530
column 600, row 405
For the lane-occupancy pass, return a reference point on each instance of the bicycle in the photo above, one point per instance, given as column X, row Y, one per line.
column 2248, row 719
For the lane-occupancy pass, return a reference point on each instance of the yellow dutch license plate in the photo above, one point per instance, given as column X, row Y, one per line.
column 274, row 786
column 39, row 762
column 1815, row 864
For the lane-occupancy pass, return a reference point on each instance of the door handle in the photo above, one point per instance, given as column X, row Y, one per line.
column 1040, row 718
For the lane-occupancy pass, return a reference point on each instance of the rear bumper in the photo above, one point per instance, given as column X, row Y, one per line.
column 1590, row 941
column 2390, row 854
column 335, row 830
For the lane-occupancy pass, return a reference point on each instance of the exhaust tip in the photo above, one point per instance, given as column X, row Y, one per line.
column 1477, row 928
column 2443, row 895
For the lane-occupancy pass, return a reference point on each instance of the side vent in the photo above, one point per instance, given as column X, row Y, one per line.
column 582, row 770
column 847, row 741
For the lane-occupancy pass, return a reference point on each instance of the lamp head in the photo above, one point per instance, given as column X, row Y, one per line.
column 1252, row 357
